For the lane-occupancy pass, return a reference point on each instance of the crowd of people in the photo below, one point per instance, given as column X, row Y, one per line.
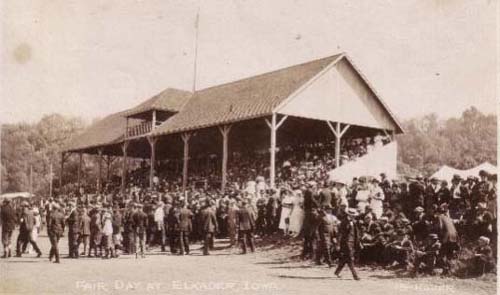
column 419, row 224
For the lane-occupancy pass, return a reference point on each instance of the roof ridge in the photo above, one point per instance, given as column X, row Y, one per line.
column 270, row 72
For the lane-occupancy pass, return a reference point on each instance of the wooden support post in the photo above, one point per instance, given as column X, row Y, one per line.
column 109, row 161
column 80, row 161
column 224, row 130
column 63, row 159
column 272, row 151
column 153, row 121
column 124, row 165
column 185, row 138
column 152, row 143
column 99, row 170
column 338, row 132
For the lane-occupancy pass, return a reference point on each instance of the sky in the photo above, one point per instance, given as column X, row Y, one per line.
column 95, row 57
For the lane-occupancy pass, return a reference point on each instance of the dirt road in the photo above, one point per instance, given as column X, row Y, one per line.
column 269, row 271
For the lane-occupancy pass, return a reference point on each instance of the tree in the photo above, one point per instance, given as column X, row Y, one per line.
column 463, row 143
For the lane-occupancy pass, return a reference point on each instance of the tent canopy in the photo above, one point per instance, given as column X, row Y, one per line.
column 447, row 172
column 25, row 195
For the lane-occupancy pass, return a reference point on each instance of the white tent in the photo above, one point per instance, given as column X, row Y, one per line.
column 486, row 166
column 446, row 172
column 380, row 160
column 25, row 195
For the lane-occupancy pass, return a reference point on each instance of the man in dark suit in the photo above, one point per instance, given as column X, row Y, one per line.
column 309, row 228
column 325, row 195
column 56, row 227
column 185, row 227
column 140, row 224
column 25, row 231
column 208, row 225
column 173, row 228
column 246, row 223
column 449, row 238
column 431, row 194
column 8, row 221
column 349, row 242
column 417, row 192
column 73, row 230
column 232, row 222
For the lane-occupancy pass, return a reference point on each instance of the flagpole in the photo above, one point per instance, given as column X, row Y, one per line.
column 196, row 26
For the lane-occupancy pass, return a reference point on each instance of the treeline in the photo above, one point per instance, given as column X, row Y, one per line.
column 29, row 150
column 427, row 144
column 462, row 143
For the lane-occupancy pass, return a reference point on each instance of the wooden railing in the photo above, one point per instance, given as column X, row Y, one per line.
column 139, row 129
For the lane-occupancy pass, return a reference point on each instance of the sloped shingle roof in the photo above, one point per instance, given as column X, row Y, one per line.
column 169, row 99
column 109, row 130
column 244, row 99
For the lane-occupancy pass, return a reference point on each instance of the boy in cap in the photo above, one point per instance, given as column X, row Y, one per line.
column 427, row 256
column 483, row 261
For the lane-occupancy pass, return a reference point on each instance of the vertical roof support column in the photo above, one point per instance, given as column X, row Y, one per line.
column 185, row 138
column 63, row 159
column 152, row 143
column 109, row 161
column 272, row 151
column 99, row 170
column 153, row 121
column 338, row 132
column 124, row 166
column 224, row 130
column 80, row 161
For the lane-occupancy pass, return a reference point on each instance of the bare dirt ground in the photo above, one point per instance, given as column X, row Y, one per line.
column 271, row 271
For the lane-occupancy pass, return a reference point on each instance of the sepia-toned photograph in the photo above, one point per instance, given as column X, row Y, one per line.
column 249, row 147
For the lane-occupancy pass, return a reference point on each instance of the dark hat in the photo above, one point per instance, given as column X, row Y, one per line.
column 434, row 180
column 456, row 177
column 483, row 173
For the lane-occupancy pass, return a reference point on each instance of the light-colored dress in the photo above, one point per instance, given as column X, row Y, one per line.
column 362, row 197
column 376, row 202
column 286, row 210
column 297, row 215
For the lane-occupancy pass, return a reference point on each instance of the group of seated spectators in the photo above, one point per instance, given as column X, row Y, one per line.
column 418, row 224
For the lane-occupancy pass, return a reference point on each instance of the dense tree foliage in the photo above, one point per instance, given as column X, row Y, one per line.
column 30, row 149
column 428, row 143
column 462, row 143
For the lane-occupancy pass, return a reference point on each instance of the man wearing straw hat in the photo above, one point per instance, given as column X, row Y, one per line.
column 349, row 241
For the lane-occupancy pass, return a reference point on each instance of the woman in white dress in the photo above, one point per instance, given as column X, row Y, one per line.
column 362, row 196
column 286, row 210
column 377, row 199
column 297, row 215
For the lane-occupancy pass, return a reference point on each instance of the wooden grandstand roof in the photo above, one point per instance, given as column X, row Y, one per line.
column 170, row 100
column 241, row 100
